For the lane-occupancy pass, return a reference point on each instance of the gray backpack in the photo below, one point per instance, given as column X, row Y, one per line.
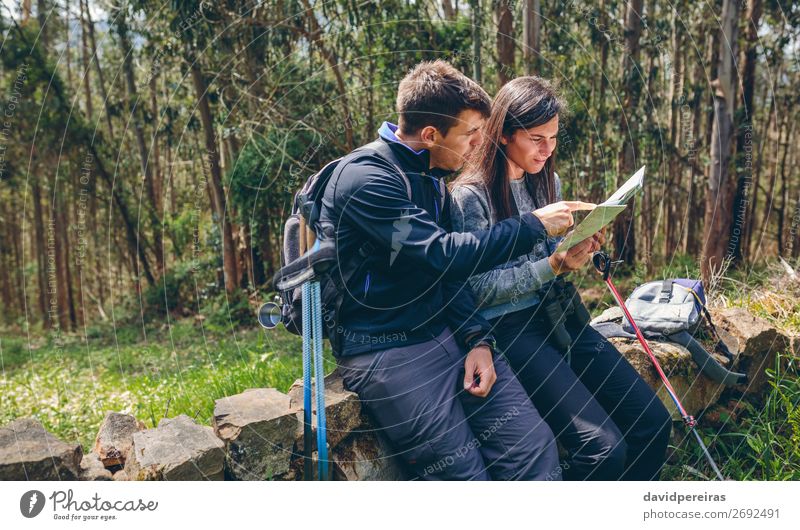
column 673, row 310
column 667, row 307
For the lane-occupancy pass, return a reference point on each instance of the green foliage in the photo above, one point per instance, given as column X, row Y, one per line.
column 225, row 312
column 269, row 170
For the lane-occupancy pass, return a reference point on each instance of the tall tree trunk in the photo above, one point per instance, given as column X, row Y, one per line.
column 25, row 11
column 85, row 64
column 42, row 13
column 448, row 9
column 68, row 279
column 477, row 20
column 314, row 35
column 648, row 220
column 158, row 178
column 99, row 69
column 98, row 277
column 674, row 198
column 59, row 268
column 720, row 184
column 784, row 183
column 780, row 126
column 41, row 250
column 6, row 295
column 796, row 229
column 173, row 204
column 531, row 35
column 215, row 182
column 504, row 18
column 696, row 197
column 744, row 136
column 68, row 46
column 624, row 233
column 761, row 136
column 597, row 171
column 138, row 128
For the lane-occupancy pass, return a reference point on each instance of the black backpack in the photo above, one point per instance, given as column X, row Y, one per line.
column 309, row 251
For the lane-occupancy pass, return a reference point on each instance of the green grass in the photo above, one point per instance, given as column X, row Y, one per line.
column 180, row 369
column 761, row 443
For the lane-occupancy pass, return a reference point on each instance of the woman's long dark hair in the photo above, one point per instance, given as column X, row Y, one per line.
column 522, row 103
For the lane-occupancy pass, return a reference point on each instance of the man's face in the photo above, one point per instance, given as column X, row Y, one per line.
column 450, row 152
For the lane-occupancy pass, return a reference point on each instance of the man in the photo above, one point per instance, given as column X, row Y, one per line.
column 410, row 342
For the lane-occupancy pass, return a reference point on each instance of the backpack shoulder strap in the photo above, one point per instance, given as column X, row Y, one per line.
column 611, row 329
column 707, row 363
column 384, row 150
column 666, row 291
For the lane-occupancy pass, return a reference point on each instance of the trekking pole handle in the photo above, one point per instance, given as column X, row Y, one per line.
column 603, row 263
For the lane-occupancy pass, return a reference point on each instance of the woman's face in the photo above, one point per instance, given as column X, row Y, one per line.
column 530, row 148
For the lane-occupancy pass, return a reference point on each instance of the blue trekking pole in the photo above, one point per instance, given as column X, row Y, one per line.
column 312, row 347
column 303, row 273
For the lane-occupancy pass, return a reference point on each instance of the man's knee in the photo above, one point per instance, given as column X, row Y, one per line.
column 532, row 454
column 544, row 463
column 441, row 460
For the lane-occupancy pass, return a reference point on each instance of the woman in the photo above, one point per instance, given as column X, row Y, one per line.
column 608, row 419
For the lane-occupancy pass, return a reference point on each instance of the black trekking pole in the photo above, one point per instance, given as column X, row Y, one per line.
column 603, row 263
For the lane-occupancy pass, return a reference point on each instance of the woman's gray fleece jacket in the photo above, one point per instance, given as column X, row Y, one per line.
column 515, row 285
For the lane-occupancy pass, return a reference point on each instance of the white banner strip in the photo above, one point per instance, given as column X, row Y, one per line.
column 389, row 505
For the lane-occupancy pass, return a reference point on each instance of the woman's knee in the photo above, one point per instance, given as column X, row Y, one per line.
column 613, row 451
column 662, row 420
column 659, row 422
column 604, row 456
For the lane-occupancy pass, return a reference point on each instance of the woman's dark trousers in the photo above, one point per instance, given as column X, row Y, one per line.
column 611, row 423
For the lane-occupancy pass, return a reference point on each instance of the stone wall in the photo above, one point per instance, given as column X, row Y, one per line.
column 255, row 435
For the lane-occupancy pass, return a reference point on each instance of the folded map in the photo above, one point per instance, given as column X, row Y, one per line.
column 604, row 213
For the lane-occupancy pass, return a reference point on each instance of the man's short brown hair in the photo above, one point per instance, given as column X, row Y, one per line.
column 435, row 93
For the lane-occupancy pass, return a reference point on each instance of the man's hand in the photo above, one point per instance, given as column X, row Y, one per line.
column 557, row 217
column 479, row 375
column 574, row 258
